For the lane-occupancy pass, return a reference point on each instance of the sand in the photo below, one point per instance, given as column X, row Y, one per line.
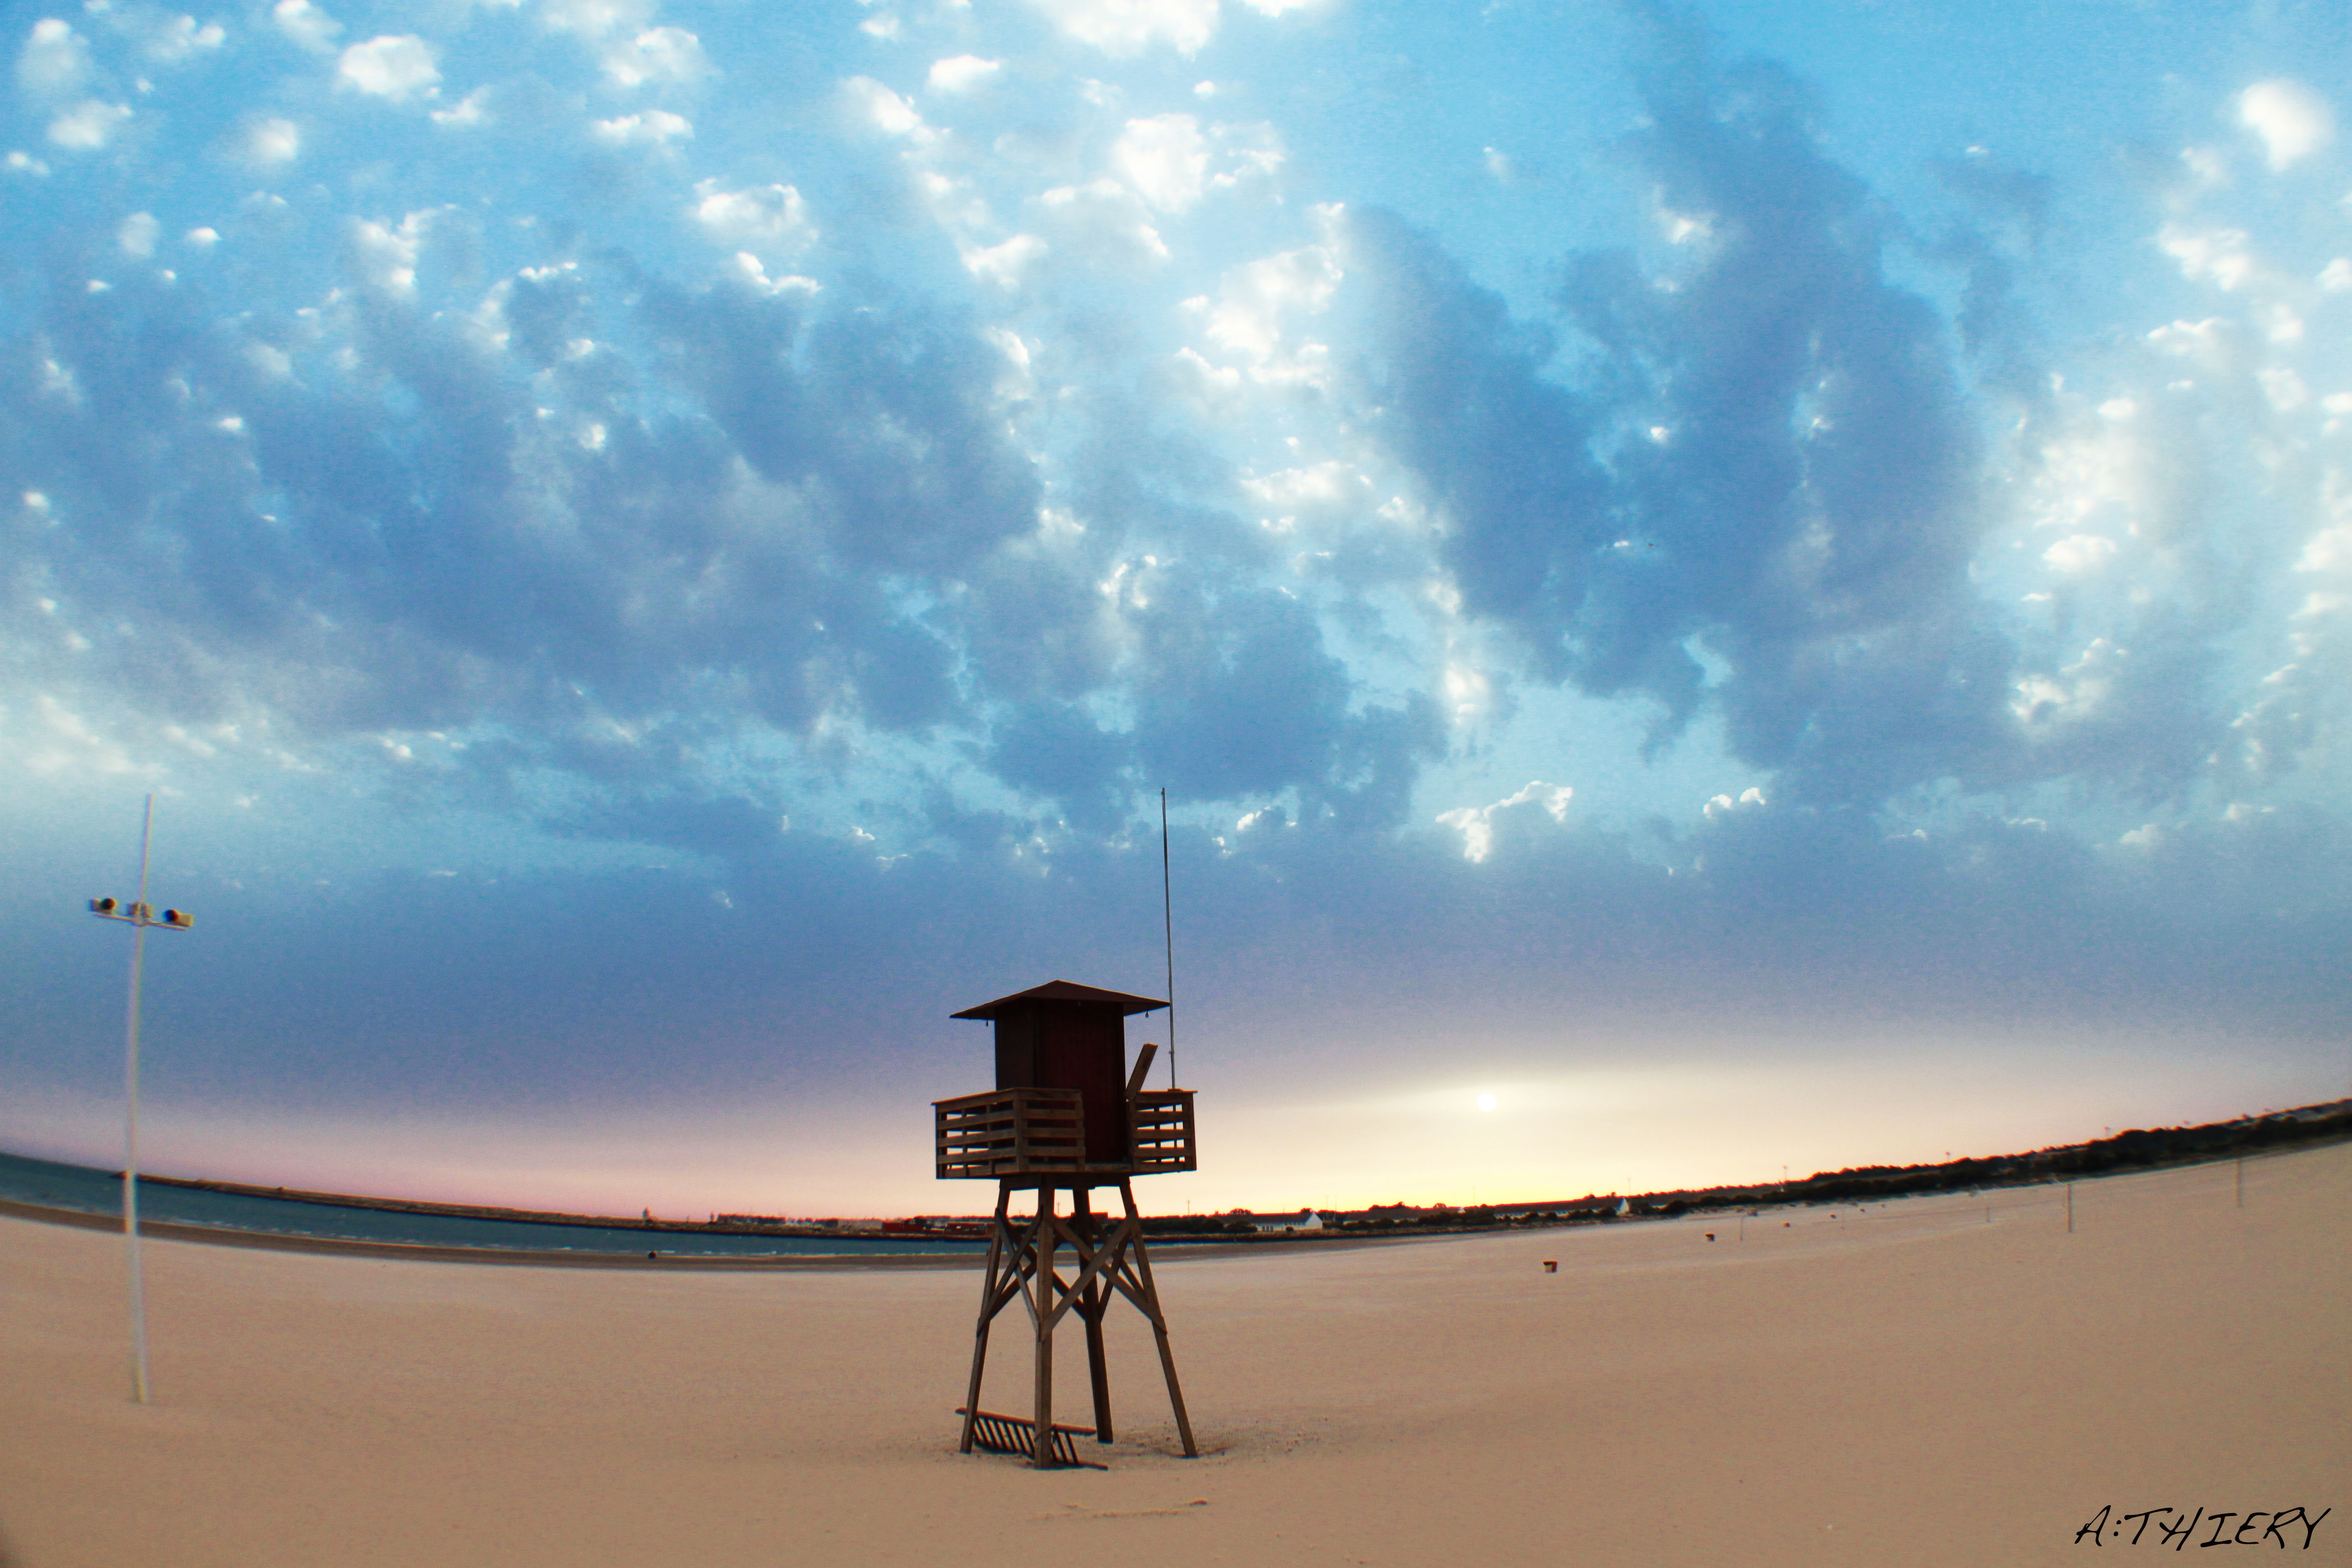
column 1901, row 1384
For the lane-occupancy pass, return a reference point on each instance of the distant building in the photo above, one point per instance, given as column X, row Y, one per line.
column 1305, row 1219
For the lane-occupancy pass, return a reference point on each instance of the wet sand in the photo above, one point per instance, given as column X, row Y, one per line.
column 1903, row 1384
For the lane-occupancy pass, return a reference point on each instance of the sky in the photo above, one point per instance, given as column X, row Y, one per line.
column 1752, row 586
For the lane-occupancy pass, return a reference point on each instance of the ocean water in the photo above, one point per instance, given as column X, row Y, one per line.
column 92, row 1191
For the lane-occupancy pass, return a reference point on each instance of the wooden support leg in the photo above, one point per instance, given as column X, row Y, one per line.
column 1041, row 1455
column 1090, row 1310
column 1159, row 1323
column 996, row 1239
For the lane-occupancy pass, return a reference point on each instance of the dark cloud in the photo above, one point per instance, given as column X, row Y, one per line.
column 1773, row 463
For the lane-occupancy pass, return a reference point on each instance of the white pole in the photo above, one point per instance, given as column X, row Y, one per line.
column 131, row 1121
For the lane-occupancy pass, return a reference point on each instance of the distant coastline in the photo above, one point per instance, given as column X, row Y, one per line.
column 871, row 1242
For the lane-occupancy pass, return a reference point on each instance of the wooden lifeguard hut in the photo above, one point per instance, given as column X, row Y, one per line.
column 1067, row 1114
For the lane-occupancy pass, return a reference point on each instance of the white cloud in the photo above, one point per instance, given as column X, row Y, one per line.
column 2218, row 254
column 175, row 38
column 762, row 218
column 22, row 163
column 2080, row 689
column 2081, row 552
column 654, row 128
column 306, row 25
column 1476, row 822
column 202, row 238
column 467, row 111
column 886, row 109
column 2293, row 120
column 1104, row 211
column 390, row 66
column 137, row 234
column 1164, row 159
column 386, row 256
column 657, row 55
column 594, row 18
column 963, row 73
column 1005, row 264
column 1253, row 298
column 53, row 61
column 88, row 125
column 1723, row 805
column 1313, row 487
column 2337, row 276
column 2212, row 344
column 2284, row 388
column 76, row 746
column 1125, row 28
column 269, row 143
column 1276, row 7
column 748, row 268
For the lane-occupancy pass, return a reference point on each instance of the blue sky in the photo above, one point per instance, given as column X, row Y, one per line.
column 1760, row 584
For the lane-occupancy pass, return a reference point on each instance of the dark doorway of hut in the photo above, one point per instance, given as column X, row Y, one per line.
column 1064, row 1118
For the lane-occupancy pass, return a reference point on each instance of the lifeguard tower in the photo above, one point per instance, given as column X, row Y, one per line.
column 1067, row 1115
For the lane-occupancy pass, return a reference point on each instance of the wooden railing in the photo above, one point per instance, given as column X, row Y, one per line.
column 1160, row 1124
column 1042, row 1131
column 1011, row 1133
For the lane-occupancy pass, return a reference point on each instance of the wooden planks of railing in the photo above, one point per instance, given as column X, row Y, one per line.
column 1042, row 1131
column 1009, row 1132
column 1160, row 1124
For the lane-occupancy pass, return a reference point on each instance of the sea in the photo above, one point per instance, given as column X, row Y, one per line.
column 52, row 1184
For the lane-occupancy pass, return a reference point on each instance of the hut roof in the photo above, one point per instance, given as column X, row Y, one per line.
column 1063, row 991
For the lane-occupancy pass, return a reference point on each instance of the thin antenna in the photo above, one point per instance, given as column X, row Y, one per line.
column 1167, row 924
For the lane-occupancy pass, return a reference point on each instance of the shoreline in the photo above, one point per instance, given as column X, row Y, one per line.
column 1164, row 1248
column 1168, row 1248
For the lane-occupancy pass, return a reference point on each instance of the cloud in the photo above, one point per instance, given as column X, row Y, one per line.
column 2293, row 120
column 1004, row 264
column 595, row 19
column 1164, row 160
column 1477, row 824
column 1788, row 457
column 886, row 110
column 1124, row 28
column 772, row 220
column 662, row 56
column 1247, row 316
column 172, row 39
column 88, row 125
column 467, row 112
column 270, row 142
column 963, row 73
column 306, row 25
column 390, row 66
column 386, row 254
column 652, row 128
column 2081, row 552
column 137, row 234
column 53, row 61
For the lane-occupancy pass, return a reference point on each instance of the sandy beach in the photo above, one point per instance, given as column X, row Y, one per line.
column 1905, row 1384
